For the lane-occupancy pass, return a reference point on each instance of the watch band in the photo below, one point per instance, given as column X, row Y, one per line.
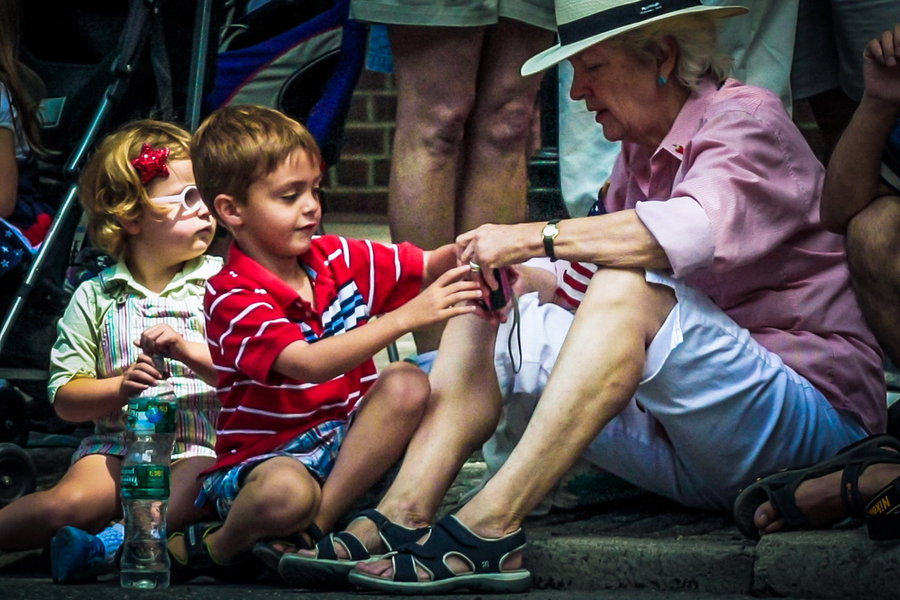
column 549, row 233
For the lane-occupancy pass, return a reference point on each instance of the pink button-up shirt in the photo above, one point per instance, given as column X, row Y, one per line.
column 732, row 196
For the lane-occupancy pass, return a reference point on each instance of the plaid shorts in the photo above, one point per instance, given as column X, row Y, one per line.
column 317, row 449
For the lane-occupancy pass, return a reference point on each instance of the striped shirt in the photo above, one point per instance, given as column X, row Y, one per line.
column 252, row 316
column 96, row 340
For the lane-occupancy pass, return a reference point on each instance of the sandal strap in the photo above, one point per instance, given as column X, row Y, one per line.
column 850, row 495
column 882, row 513
column 784, row 501
column 450, row 537
column 325, row 548
column 198, row 556
column 392, row 534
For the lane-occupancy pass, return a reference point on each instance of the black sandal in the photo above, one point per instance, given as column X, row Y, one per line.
column 883, row 513
column 449, row 537
column 326, row 570
column 199, row 562
column 270, row 554
column 780, row 488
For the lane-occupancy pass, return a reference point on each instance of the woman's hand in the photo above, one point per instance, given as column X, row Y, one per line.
column 138, row 377
column 492, row 246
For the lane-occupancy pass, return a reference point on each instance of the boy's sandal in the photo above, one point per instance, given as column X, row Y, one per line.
column 449, row 537
column 199, row 562
column 883, row 513
column 269, row 552
column 326, row 570
column 780, row 487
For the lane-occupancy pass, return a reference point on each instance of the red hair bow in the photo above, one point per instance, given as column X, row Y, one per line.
column 150, row 163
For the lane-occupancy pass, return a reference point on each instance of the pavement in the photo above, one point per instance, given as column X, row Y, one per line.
column 620, row 542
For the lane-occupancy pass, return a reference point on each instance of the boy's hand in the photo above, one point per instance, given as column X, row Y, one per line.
column 449, row 295
column 138, row 377
column 162, row 339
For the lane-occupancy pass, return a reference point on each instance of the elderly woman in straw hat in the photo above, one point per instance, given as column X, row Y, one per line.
column 709, row 336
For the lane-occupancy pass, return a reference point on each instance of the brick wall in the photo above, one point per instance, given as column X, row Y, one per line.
column 358, row 183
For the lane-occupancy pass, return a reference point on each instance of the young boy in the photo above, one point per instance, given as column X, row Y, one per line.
column 295, row 367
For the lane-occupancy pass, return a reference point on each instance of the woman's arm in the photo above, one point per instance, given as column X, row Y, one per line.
column 617, row 239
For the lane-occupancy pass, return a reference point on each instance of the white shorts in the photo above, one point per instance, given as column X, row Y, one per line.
column 714, row 409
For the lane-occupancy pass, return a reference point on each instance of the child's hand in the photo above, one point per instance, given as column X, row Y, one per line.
column 449, row 295
column 162, row 340
column 138, row 377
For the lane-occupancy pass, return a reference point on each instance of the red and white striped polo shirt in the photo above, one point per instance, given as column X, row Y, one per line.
column 252, row 316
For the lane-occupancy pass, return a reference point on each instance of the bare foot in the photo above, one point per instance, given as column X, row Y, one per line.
column 820, row 499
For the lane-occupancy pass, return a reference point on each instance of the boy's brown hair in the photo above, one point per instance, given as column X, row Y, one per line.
column 110, row 189
column 239, row 144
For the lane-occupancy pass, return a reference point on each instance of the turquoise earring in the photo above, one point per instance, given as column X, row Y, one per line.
column 661, row 80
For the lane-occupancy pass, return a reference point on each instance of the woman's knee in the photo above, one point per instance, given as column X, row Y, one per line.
column 404, row 389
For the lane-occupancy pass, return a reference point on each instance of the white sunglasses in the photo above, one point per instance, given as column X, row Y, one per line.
column 189, row 198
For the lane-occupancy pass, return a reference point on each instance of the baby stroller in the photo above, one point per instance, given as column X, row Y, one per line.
column 302, row 57
column 121, row 71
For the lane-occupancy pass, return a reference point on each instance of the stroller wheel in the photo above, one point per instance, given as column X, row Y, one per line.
column 18, row 475
column 14, row 418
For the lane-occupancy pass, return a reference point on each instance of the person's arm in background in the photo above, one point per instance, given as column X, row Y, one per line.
column 852, row 179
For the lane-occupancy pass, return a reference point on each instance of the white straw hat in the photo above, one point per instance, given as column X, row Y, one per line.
column 583, row 23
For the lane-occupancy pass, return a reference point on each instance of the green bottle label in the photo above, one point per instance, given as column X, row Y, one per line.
column 152, row 415
column 145, row 482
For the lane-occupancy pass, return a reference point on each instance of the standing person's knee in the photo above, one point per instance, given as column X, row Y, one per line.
column 443, row 131
column 507, row 127
column 405, row 389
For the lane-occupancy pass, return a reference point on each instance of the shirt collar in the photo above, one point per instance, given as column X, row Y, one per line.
column 196, row 270
column 283, row 294
column 688, row 119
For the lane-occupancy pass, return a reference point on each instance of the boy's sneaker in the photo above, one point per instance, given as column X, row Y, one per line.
column 77, row 556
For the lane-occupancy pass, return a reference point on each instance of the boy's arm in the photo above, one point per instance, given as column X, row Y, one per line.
column 448, row 296
column 88, row 398
column 438, row 262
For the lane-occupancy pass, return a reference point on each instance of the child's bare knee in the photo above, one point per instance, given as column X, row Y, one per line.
column 405, row 388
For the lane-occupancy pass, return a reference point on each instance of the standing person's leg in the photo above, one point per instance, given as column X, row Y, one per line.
column 86, row 497
column 493, row 182
column 435, row 70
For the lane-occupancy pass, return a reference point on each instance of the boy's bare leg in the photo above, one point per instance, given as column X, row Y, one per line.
column 185, row 489
column 461, row 414
column 380, row 432
column 279, row 497
column 85, row 497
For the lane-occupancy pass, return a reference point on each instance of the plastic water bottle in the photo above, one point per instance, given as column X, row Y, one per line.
column 144, row 562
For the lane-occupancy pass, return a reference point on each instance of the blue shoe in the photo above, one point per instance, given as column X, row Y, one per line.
column 76, row 556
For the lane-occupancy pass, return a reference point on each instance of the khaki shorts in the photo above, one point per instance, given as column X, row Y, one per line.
column 454, row 13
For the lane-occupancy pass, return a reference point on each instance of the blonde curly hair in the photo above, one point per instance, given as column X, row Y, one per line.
column 110, row 188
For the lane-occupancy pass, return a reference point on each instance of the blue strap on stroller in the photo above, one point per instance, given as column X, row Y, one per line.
column 308, row 72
